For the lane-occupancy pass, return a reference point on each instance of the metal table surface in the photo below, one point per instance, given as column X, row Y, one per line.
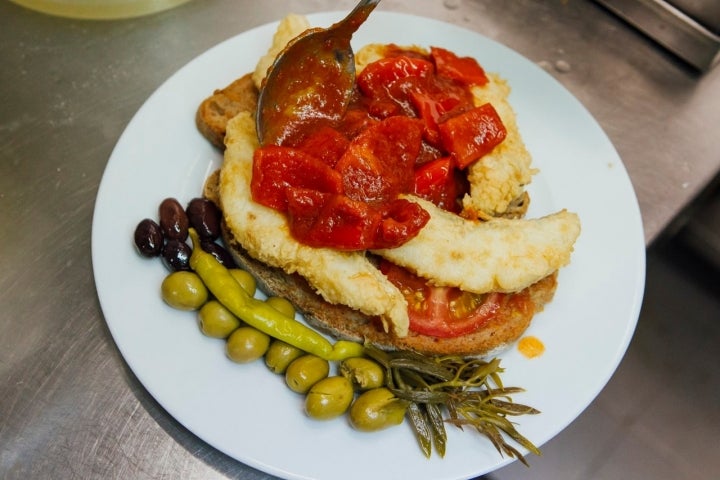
column 69, row 405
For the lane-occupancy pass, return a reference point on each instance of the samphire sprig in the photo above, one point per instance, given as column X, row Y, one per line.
column 457, row 391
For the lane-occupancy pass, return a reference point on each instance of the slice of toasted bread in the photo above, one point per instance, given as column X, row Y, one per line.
column 342, row 322
column 216, row 110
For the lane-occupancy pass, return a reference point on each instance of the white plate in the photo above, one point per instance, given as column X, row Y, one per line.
column 247, row 412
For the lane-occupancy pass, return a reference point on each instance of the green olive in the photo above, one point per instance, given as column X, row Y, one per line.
column 329, row 398
column 305, row 371
column 217, row 321
column 246, row 344
column 282, row 305
column 184, row 290
column 363, row 373
column 280, row 354
column 377, row 409
column 245, row 279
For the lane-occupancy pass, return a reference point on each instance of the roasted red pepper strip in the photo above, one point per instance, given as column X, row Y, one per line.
column 470, row 135
column 277, row 168
column 465, row 70
column 327, row 220
column 439, row 182
column 326, row 144
column 378, row 164
column 376, row 80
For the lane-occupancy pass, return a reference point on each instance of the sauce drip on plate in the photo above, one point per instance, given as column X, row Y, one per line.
column 531, row 346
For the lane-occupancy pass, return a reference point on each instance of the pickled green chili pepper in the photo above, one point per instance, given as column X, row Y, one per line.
column 261, row 315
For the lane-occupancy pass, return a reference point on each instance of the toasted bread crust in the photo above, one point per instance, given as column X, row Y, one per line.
column 343, row 322
column 216, row 110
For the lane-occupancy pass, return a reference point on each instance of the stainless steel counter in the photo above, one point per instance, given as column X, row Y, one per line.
column 69, row 405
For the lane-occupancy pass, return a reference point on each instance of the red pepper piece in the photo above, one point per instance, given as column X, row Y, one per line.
column 321, row 219
column 431, row 109
column 378, row 165
column 472, row 134
column 401, row 221
column 329, row 220
column 432, row 176
column 465, row 70
column 377, row 78
column 326, row 144
column 275, row 169
column 439, row 182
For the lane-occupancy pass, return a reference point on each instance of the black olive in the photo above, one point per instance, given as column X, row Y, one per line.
column 173, row 219
column 148, row 238
column 176, row 255
column 204, row 217
column 219, row 252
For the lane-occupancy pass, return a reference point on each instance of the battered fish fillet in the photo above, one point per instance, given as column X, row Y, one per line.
column 290, row 27
column 502, row 175
column 346, row 278
column 499, row 255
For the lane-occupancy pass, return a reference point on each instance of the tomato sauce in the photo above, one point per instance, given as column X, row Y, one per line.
column 411, row 128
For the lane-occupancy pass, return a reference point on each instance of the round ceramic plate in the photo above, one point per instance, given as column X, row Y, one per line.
column 247, row 412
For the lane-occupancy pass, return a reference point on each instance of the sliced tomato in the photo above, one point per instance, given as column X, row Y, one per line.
column 466, row 70
column 275, row 169
column 441, row 311
column 472, row 134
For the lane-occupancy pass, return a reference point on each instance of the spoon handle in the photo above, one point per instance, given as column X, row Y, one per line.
column 366, row 3
column 356, row 17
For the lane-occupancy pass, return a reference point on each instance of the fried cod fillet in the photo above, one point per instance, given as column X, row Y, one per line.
column 289, row 27
column 498, row 255
column 347, row 278
column 502, row 175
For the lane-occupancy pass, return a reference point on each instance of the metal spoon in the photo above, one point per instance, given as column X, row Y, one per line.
column 311, row 80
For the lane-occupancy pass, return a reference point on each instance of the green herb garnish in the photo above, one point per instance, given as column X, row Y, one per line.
column 468, row 390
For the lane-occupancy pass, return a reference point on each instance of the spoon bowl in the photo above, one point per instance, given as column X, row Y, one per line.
column 311, row 80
